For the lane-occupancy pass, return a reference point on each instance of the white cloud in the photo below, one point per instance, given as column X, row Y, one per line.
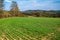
column 7, row 0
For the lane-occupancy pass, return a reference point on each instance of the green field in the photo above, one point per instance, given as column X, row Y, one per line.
column 30, row 28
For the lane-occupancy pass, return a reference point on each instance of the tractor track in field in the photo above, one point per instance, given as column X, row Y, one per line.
column 23, row 35
column 26, row 35
column 11, row 35
column 32, row 37
column 3, row 36
column 19, row 36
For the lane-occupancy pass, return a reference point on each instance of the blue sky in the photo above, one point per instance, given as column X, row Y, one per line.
column 34, row 4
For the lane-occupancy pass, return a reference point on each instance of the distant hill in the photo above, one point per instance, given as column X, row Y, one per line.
column 43, row 13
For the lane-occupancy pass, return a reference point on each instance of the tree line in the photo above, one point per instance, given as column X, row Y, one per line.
column 43, row 13
column 14, row 12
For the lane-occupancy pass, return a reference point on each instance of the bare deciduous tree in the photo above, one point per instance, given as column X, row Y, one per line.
column 1, row 4
column 14, row 9
column 1, row 7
